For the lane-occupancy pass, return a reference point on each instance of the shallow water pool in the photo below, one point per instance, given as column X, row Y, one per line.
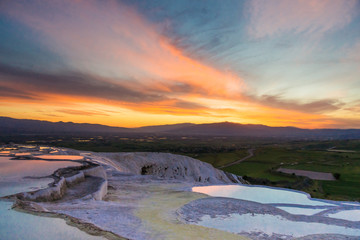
column 18, row 169
column 351, row 215
column 301, row 211
column 18, row 225
column 270, row 225
column 260, row 194
column 60, row 157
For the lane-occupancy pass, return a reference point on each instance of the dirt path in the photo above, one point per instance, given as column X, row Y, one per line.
column 309, row 174
column 251, row 153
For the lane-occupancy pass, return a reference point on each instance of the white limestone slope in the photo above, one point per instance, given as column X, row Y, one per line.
column 167, row 166
column 59, row 189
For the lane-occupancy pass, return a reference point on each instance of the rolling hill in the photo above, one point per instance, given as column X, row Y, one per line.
column 26, row 126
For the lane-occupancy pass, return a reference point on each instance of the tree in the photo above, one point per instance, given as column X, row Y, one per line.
column 337, row 176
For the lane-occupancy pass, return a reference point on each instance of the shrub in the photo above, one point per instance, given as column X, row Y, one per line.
column 337, row 176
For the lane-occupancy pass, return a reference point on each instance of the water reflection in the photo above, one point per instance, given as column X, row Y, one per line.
column 9, row 188
column 259, row 194
column 270, row 225
column 293, row 202
column 351, row 215
column 301, row 211
column 60, row 157
column 18, row 225
column 17, row 169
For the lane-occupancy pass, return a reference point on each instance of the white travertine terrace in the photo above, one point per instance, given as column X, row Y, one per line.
column 147, row 196
column 167, row 166
column 57, row 191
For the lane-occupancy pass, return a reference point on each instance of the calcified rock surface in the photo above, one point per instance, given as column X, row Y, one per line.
column 218, row 206
column 90, row 182
column 147, row 196
column 167, row 166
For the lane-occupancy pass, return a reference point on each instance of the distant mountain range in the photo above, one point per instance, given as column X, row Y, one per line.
column 12, row 125
column 25, row 126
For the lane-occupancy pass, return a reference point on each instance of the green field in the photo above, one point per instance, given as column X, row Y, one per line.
column 301, row 155
column 261, row 168
column 220, row 159
column 268, row 159
column 269, row 155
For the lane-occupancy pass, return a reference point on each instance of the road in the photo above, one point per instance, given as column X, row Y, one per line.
column 251, row 153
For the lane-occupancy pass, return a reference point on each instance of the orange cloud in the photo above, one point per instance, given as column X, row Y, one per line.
column 112, row 40
column 118, row 60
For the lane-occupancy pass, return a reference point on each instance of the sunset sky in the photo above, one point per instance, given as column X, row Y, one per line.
column 137, row 63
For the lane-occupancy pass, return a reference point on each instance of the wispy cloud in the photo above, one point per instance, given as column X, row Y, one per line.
column 8, row 92
column 353, row 53
column 188, row 105
column 22, row 84
column 110, row 55
column 269, row 18
column 111, row 39
column 28, row 83
column 317, row 106
column 354, row 107
column 81, row 112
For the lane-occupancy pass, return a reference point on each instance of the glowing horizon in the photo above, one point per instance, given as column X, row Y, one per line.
column 140, row 63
